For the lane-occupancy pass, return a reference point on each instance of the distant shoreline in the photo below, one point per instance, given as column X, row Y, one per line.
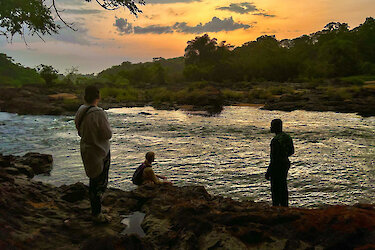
column 33, row 100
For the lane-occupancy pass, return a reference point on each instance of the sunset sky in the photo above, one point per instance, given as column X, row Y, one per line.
column 106, row 38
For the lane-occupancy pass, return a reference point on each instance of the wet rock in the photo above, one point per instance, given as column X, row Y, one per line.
column 40, row 163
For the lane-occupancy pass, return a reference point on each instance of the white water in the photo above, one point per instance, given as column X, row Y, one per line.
column 228, row 154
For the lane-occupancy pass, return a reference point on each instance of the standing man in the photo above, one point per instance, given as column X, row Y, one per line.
column 94, row 129
column 281, row 148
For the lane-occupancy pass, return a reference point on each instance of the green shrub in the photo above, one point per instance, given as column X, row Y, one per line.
column 259, row 93
column 232, row 95
column 342, row 93
column 352, row 80
column 279, row 90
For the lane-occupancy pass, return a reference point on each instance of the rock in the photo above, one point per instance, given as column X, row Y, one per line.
column 221, row 240
column 5, row 161
column 11, row 171
column 4, row 177
column 41, row 216
column 362, row 103
column 24, row 169
column 75, row 192
column 40, row 163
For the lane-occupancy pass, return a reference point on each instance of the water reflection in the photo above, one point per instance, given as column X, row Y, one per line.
column 133, row 224
column 228, row 154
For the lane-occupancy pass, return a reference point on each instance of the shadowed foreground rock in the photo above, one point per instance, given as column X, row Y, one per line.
column 34, row 215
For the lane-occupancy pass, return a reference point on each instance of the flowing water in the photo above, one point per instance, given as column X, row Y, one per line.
column 228, row 154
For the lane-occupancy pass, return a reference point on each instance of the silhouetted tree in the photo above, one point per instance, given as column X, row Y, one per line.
column 48, row 73
column 200, row 50
column 206, row 59
column 37, row 17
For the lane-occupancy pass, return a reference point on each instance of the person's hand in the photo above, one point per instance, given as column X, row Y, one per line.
column 161, row 177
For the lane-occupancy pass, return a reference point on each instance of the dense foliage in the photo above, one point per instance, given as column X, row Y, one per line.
column 335, row 51
column 15, row 74
column 48, row 73
column 332, row 64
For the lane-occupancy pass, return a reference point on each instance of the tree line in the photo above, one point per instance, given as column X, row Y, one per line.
column 335, row 51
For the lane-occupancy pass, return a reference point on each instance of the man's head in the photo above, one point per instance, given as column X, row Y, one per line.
column 150, row 157
column 92, row 95
column 276, row 126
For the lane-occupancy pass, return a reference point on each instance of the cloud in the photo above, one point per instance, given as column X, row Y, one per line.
column 241, row 8
column 152, row 17
column 169, row 1
column 123, row 26
column 81, row 11
column 75, row 37
column 71, row 2
column 154, row 29
column 245, row 8
column 215, row 25
column 264, row 14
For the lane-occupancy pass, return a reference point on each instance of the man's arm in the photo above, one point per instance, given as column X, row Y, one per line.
column 273, row 157
column 291, row 147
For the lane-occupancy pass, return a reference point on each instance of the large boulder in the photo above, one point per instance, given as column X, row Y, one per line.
column 75, row 192
column 40, row 163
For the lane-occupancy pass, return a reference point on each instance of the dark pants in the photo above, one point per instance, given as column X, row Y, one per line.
column 279, row 190
column 97, row 187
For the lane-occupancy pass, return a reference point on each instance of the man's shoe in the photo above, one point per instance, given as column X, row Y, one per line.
column 101, row 219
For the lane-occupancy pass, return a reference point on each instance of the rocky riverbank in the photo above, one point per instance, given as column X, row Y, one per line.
column 37, row 100
column 362, row 102
column 34, row 215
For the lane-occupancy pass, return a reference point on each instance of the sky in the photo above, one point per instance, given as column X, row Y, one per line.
column 106, row 38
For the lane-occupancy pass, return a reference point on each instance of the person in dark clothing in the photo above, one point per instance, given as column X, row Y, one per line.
column 281, row 148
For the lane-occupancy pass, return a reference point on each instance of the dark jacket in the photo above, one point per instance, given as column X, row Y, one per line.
column 281, row 148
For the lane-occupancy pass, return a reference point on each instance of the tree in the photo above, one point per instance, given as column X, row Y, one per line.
column 71, row 75
column 48, row 73
column 15, row 74
column 201, row 50
column 37, row 15
column 16, row 15
column 204, row 57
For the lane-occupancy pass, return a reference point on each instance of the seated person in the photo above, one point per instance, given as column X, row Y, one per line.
column 147, row 173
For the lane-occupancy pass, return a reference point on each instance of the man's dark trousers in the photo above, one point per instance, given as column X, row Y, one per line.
column 97, row 187
column 279, row 190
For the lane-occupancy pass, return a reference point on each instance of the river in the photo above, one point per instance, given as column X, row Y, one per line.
column 228, row 153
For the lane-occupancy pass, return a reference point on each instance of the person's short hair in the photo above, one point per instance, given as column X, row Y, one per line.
column 91, row 93
column 150, row 156
column 277, row 125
